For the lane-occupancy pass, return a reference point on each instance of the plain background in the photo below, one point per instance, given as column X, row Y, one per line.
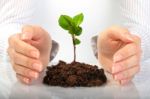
column 99, row 15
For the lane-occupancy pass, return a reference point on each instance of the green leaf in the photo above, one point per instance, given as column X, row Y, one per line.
column 78, row 19
column 75, row 30
column 65, row 22
column 78, row 31
column 77, row 41
column 71, row 30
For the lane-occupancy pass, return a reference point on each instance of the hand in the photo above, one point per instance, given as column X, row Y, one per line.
column 119, row 52
column 29, row 52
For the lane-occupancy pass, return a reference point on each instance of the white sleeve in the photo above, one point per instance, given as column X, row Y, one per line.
column 13, row 14
column 136, row 17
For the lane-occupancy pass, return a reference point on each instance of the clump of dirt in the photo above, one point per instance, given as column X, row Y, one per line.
column 74, row 74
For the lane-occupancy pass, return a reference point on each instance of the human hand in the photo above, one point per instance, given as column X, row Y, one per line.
column 29, row 52
column 119, row 52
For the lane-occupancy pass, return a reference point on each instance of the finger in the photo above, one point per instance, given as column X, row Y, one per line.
column 137, row 39
column 127, row 73
column 11, row 40
column 25, row 49
column 25, row 72
column 23, row 79
column 126, row 51
column 119, row 33
column 126, row 64
column 32, row 32
column 22, row 47
column 27, row 62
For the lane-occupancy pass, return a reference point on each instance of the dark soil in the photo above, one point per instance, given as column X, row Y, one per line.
column 74, row 74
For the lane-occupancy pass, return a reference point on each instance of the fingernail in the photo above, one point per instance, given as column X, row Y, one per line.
column 117, row 58
column 37, row 66
column 35, row 54
column 33, row 74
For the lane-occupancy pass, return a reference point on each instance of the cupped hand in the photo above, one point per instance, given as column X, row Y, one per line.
column 119, row 52
column 29, row 52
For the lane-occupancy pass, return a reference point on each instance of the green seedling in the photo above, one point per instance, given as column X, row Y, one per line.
column 72, row 25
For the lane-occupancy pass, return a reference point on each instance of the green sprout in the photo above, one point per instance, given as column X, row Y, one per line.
column 72, row 25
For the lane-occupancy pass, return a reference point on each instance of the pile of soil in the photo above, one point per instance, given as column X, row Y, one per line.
column 74, row 74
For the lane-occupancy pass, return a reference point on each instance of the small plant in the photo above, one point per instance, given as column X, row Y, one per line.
column 72, row 25
column 74, row 74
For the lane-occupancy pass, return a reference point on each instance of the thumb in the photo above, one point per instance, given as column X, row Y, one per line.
column 118, row 33
column 31, row 33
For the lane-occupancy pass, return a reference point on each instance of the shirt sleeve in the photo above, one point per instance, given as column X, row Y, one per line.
column 135, row 15
column 13, row 15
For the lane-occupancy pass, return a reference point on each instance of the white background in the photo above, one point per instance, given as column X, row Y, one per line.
column 99, row 14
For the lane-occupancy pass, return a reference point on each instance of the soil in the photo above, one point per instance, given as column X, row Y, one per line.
column 74, row 74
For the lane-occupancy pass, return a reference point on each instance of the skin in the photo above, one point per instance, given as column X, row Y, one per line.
column 29, row 52
column 119, row 52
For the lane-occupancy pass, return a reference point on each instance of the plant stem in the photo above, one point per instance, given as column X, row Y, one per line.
column 74, row 47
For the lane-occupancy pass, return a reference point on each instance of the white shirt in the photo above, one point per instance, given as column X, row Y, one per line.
column 136, row 17
column 13, row 14
column 98, row 15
